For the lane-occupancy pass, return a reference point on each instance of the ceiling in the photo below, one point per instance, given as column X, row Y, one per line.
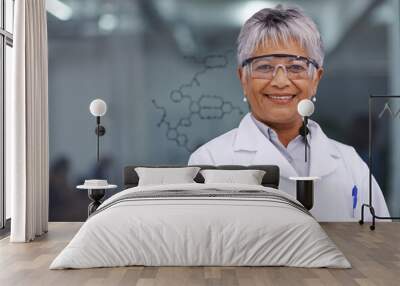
column 192, row 21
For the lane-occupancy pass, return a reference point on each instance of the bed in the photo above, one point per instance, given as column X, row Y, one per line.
column 201, row 224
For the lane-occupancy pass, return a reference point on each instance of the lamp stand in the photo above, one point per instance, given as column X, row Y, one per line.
column 304, row 132
column 100, row 131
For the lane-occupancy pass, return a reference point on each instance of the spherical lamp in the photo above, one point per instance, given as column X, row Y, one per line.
column 98, row 108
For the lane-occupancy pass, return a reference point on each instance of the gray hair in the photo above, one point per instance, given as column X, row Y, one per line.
column 278, row 24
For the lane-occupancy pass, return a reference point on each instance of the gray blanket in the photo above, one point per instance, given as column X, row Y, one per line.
column 207, row 193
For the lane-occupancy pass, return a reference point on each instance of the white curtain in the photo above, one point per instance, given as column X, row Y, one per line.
column 27, row 124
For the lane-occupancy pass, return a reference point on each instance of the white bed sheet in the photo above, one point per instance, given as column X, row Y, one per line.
column 200, row 231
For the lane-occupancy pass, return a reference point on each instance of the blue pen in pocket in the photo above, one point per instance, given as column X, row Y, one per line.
column 354, row 194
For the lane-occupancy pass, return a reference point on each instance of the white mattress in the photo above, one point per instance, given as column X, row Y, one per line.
column 192, row 231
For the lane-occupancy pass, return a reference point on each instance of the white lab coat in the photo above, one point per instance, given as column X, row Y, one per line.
column 339, row 167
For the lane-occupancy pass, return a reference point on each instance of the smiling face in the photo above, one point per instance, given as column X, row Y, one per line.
column 275, row 101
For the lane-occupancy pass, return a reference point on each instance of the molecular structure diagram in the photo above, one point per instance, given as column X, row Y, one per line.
column 205, row 107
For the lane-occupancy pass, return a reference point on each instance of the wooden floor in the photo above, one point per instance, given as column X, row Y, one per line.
column 374, row 255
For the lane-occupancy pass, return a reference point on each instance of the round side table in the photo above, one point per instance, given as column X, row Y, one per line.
column 95, row 194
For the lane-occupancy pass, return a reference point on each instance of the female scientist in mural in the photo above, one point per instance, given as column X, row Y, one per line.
column 280, row 56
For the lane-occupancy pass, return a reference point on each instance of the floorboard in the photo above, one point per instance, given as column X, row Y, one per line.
column 374, row 255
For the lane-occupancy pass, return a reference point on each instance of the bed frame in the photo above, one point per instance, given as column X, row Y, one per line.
column 270, row 179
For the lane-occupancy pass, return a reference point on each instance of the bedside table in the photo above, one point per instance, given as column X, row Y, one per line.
column 95, row 194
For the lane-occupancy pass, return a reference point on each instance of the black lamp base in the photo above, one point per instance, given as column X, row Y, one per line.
column 305, row 193
column 95, row 196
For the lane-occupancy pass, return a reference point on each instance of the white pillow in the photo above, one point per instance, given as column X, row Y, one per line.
column 248, row 177
column 163, row 176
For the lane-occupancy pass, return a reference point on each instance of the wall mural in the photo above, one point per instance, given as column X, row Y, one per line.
column 204, row 106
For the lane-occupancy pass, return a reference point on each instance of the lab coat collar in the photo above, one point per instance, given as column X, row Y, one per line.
column 249, row 138
column 324, row 154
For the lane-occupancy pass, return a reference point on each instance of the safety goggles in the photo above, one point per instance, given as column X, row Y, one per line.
column 266, row 66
